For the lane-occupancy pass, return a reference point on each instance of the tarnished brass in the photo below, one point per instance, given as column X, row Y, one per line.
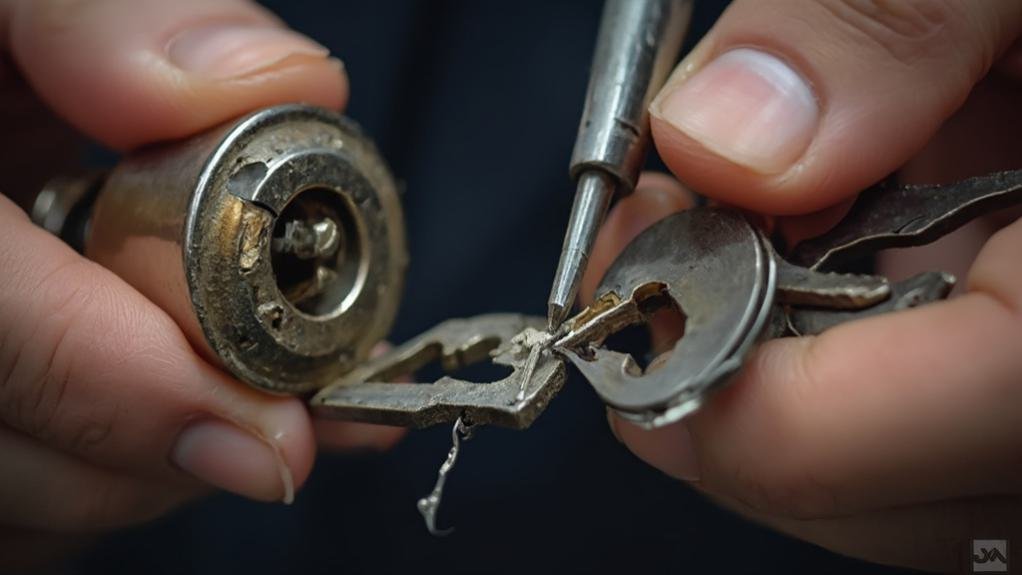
column 275, row 241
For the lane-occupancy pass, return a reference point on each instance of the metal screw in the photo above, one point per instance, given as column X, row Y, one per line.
column 309, row 241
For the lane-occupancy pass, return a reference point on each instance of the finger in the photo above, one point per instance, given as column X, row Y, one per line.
column 129, row 72
column 44, row 490
column 981, row 137
column 656, row 196
column 953, row 253
column 352, row 436
column 853, row 419
column 89, row 366
column 788, row 107
column 933, row 537
column 29, row 126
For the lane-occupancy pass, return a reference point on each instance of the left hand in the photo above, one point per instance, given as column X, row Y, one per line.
column 108, row 416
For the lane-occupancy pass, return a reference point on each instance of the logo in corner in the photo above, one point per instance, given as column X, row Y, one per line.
column 989, row 555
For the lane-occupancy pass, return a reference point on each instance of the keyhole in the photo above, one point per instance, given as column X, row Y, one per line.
column 317, row 252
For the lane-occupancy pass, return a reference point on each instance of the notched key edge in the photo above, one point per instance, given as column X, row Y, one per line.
column 797, row 285
column 918, row 290
column 890, row 216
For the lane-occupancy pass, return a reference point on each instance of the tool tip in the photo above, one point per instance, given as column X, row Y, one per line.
column 556, row 316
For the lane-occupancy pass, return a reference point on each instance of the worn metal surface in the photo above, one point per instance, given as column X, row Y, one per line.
column 801, row 286
column 891, row 216
column 915, row 291
column 275, row 241
column 714, row 267
column 637, row 45
column 368, row 393
column 429, row 505
column 64, row 207
column 711, row 261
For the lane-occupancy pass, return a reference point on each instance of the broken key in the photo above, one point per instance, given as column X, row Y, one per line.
column 515, row 341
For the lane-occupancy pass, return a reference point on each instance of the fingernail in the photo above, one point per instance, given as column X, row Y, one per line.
column 222, row 52
column 227, row 457
column 747, row 106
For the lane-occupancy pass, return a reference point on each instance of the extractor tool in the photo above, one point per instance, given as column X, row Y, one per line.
column 638, row 43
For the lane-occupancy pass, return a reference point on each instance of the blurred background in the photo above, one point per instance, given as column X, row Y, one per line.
column 475, row 105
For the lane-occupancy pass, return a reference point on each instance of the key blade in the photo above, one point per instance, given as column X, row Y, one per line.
column 801, row 286
column 890, row 216
column 916, row 291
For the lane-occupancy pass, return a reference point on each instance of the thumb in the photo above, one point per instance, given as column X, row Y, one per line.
column 788, row 106
column 127, row 72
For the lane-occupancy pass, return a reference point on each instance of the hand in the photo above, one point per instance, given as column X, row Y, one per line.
column 108, row 417
column 894, row 439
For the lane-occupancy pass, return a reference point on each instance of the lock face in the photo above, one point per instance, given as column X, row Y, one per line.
column 276, row 242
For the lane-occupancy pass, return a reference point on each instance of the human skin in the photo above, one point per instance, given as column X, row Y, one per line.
column 108, row 416
column 890, row 439
column 894, row 439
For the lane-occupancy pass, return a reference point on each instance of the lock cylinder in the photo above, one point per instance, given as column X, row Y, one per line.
column 276, row 241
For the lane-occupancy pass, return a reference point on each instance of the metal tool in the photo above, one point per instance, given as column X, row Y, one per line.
column 734, row 290
column 638, row 42
column 275, row 241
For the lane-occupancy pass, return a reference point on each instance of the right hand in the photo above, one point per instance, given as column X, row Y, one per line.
column 108, row 417
column 894, row 438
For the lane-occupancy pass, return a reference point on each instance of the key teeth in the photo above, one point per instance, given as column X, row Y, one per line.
column 801, row 286
column 892, row 216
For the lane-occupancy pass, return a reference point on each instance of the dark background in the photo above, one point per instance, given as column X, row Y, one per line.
column 475, row 105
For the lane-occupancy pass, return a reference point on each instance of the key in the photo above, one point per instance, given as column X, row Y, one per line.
column 716, row 270
column 888, row 216
column 734, row 290
column 515, row 341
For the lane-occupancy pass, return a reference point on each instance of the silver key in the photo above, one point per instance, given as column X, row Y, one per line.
column 734, row 290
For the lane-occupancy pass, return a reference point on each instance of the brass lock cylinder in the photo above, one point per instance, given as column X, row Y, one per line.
column 276, row 242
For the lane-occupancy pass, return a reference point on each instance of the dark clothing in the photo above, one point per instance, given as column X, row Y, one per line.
column 475, row 105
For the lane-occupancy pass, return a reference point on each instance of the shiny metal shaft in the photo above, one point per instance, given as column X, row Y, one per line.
column 638, row 42
column 592, row 199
